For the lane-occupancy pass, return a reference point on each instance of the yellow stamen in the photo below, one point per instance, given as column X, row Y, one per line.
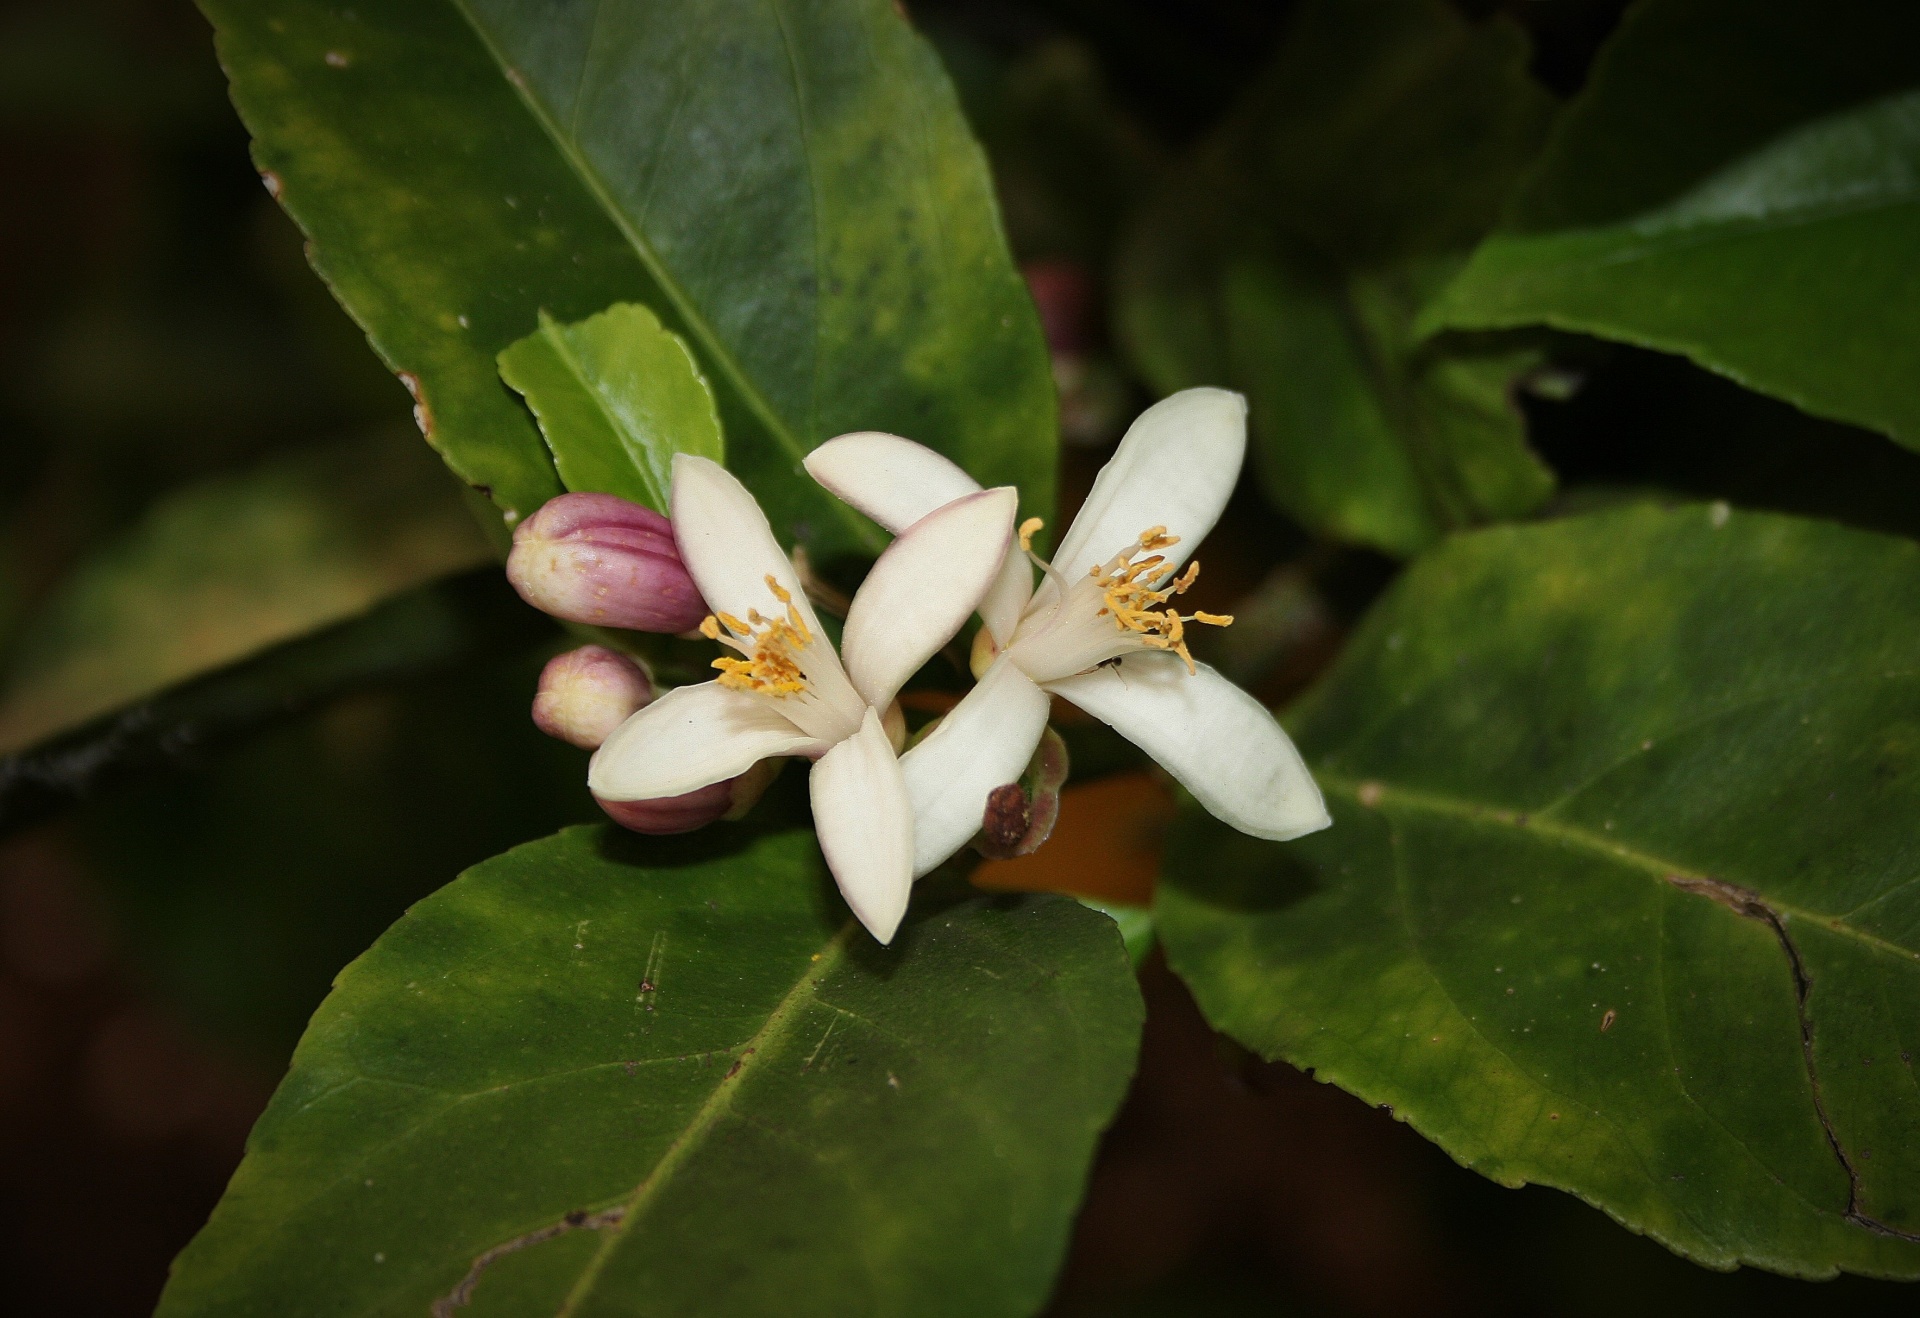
column 1027, row 530
column 771, row 646
column 1137, row 607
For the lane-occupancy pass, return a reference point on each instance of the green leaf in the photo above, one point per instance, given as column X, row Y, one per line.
column 793, row 191
column 226, row 568
column 1293, row 254
column 451, row 623
column 616, row 396
column 1619, row 895
column 601, row 1074
column 1740, row 184
column 260, row 894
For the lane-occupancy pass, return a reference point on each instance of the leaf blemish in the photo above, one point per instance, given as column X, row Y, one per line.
column 1750, row 905
column 576, row 1220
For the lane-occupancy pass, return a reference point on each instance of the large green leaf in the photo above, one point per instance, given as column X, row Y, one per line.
column 226, row 568
column 1739, row 183
column 790, row 187
column 604, row 1075
column 1620, row 894
column 617, row 395
column 1291, row 256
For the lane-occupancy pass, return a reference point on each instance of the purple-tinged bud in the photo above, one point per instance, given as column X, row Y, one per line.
column 728, row 799
column 586, row 693
column 606, row 561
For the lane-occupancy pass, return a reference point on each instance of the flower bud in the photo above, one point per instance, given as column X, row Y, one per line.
column 728, row 799
column 1020, row 816
column 585, row 694
column 606, row 561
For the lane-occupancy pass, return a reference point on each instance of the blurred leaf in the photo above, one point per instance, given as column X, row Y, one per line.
column 1619, row 895
column 686, row 1085
column 797, row 196
column 616, row 397
column 1135, row 924
column 1069, row 165
column 286, row 855
column 223, row 569
column 470, row 617
column 1291, row 255
column 1741, row 184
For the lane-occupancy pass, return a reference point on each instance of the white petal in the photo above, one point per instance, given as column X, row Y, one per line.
column 1220, row 742
column 726, row 543
column 923, row 588
column 865, row 825
column 692, row 736
column 1007, row 597
column 984, row 742
column 894, row 481
column 1175, row 468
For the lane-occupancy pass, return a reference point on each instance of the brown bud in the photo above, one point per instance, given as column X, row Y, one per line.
column 1020, row 816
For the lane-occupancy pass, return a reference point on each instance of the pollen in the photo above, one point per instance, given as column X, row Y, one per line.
column 1027, row 530
column 770, row 648
column 1137, row 589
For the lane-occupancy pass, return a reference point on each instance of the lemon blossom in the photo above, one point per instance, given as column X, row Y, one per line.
column 788, row 693
column 1103, row 629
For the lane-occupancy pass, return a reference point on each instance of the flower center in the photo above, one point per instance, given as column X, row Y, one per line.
column 1136, row 592
column 1120, row 606
column 771, row 647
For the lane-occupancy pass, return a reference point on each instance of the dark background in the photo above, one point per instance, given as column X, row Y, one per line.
column 161, row 947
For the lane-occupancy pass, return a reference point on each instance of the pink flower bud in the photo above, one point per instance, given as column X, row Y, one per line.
column 729, row 799
column 586, row 693
column 600, row 559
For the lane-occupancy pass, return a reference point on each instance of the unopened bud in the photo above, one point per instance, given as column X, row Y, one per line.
column 586, row 693
column 1020, row 816
column 606, row 561
column 728, row 799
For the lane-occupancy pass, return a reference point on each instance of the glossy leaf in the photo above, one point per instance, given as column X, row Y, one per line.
column 616, row 396
column 1620, row 893
column 1293, row 253
column 792, row 190
column 601, row 1074
column 227, row 568
column 1741, row 184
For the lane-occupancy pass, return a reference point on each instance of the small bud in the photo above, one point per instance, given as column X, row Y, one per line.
column 606, row 561
column 729, row 799
column 673, row 814
column 1020, row 816
column 586, row 693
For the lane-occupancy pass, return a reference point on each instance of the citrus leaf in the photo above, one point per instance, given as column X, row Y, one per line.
column 617, row 396
column 792, row 189
column 600, row 1074
column 449, row 624
column 1741, row 185
column 1620, row 893
column 226, row 568
column 1293, row 252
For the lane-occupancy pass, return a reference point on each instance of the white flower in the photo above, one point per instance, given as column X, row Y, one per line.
column 1100, row 631
column 788, row 693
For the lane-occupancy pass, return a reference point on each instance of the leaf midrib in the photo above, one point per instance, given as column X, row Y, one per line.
column 778, row 1023
column 683, row 305
column 1384, row 796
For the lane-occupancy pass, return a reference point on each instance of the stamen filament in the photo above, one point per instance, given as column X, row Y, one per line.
column 1137, row 607
column 772, row 648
